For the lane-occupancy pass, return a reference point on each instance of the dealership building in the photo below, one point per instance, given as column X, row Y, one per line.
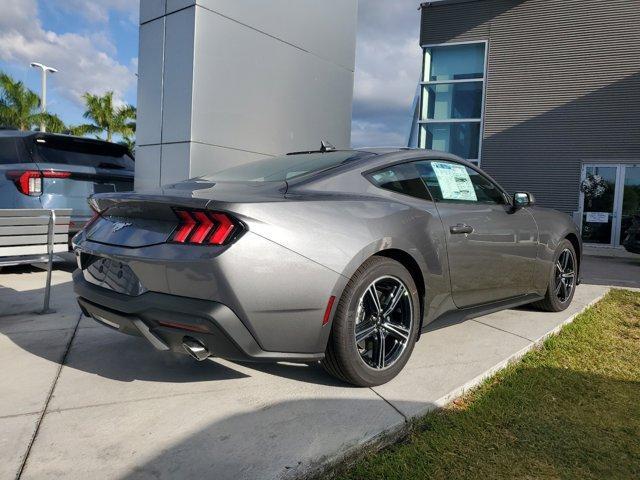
column 545, row 96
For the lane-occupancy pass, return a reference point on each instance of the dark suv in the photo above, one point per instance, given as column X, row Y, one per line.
column 42, row 170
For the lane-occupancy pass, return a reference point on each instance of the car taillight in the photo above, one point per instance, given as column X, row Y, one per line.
column 199, row 227
column 29, row 182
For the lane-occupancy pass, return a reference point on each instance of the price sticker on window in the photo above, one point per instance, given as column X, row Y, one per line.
column 454, row 181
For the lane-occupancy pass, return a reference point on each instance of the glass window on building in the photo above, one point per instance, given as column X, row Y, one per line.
column 452, row 99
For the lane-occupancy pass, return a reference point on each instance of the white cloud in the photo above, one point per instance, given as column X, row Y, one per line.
column 388, row 61
column 376, row 134
column 97, row 11
column 387, row 58
column 85, row 62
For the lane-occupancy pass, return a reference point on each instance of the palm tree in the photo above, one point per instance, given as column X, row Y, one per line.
column 55, row 124
column 107, row 118
column 128, row 142
column 19, row 106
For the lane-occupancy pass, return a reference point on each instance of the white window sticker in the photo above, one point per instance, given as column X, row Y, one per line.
column 455, row 182
column 597, row 217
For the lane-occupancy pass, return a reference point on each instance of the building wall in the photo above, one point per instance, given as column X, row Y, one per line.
column 223, row 82
column 563, row 87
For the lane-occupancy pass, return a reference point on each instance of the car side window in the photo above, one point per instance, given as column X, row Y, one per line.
column 402, row 178
column 456, row 183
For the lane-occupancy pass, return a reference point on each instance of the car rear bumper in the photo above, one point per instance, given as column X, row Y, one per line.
column 168, row 320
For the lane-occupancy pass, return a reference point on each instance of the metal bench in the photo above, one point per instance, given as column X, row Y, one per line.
column 33, row 236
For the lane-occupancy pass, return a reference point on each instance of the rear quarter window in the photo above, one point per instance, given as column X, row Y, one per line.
column 403, row 178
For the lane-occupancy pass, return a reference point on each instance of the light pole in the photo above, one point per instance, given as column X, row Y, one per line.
column 43, row 97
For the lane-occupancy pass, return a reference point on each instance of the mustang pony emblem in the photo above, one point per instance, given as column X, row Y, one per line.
column 119, row 226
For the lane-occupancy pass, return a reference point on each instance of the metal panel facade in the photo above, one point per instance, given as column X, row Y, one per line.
column 241, row 81
column 563, row 87
column 150, row 71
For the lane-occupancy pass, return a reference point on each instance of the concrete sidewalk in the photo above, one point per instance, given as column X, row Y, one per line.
column 81, row 401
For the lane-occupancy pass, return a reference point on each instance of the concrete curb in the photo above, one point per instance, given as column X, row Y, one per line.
column 442, row 402
column 330, row 466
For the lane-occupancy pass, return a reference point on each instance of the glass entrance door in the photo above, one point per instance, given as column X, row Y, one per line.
column 630, row 200
column 599, row 204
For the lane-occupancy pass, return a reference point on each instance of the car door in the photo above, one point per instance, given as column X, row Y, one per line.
column 491, row 247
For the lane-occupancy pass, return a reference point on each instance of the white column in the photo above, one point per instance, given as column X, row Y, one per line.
column 223, row 82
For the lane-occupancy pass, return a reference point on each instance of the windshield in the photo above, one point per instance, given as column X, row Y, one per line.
column 76, row 151
column 279, row 169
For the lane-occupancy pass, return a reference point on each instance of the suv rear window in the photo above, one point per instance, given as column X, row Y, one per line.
column 76, row 151
column 9, row 152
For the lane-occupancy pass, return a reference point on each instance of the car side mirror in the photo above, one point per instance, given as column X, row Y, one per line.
column 523, row 199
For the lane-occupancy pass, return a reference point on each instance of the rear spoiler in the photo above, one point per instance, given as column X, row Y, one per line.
column 138, row 205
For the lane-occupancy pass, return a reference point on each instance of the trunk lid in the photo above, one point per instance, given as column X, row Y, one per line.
column 142, row 219
column 135, row 220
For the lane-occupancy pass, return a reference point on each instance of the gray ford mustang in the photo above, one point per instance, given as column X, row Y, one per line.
column 342, row 257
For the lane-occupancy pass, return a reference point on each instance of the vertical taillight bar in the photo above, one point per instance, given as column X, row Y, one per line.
column 186, row 226
column 202, row 231
column 224, row 229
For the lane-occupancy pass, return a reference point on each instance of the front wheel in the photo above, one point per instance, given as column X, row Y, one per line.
column 375, row 325
column 562, row 281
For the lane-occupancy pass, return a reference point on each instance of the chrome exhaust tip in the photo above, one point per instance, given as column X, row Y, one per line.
column 196, row 349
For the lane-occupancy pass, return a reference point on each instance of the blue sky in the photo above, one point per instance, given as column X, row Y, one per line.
column 94, row 44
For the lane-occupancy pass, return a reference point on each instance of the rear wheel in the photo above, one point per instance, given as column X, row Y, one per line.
column 562, row 281
column 375, row 325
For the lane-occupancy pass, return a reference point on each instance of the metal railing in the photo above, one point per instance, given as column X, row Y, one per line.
column 23, row 231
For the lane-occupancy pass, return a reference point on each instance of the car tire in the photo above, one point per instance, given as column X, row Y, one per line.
column 555, row 300
column 363, row 363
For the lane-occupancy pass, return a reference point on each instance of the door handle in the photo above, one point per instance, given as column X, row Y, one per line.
column 460, row 229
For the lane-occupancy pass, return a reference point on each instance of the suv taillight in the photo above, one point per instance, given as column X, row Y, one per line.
column 29, row 182
column 199, row 227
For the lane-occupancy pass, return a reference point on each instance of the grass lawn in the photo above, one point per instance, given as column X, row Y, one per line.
column 568, row 410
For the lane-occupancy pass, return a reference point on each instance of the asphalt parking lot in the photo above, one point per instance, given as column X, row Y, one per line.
column 80, row 400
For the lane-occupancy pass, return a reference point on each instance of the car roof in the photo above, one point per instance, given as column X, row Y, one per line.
column 374, row 152
column 386, row 155
column 365, row 160
column 383, row 150
column 14, row 133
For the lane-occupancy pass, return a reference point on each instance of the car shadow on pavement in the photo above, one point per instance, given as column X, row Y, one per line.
column 98, row 350
column 16, row 302
column 116, row 356
column 301, row 372
column 283, row 439
column 294, row 439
